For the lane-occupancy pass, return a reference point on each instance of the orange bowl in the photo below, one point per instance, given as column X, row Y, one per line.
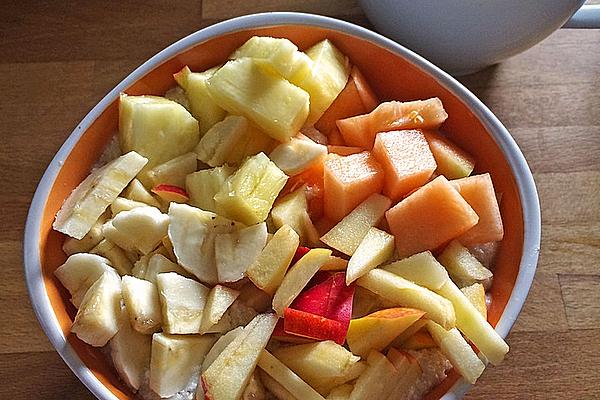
column 393, row 71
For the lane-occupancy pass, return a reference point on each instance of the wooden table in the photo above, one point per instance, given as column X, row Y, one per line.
column 59, row 59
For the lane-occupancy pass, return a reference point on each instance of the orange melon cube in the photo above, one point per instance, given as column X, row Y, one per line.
column 452, row 161
column 343, row 150
column 478, row 191
column 393, row 115
column 429, row 217
column 348, row 181
column 406, row 159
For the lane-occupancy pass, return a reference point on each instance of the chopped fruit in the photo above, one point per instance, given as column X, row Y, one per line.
column 297, row 154
column 140, row 229
column 463, row 267
column 300, row 252
column 348, row 181
column 130, row 353
column 344, row 150
column 255, row 298
column 230, row 141
column 410, row 331
column 202, row 106
column 157, row 128
column 238, row 314
column 393, row 115
column 254, row 389
column 335, row 264
column 326, row 385
column 405, row 293
column 458, row 351
column 419, row 340
column 218, row 301
column 429, row 217
column 297, row 278
column 421, row 268
column 292, row 210
column 173, row 172
column 177, row 94
column 158, row 264
column 275, row 388
column 228, row 375
column 474, row 326
column 90, row 199
column 485, row 252
column 90, row 240
column 377, row 330
column 142, row 304
column 137, row 191
column 281, row 335
column 80, row 272
column 245, row 87
column 122, row 204
column 203, row 185
column 376, row 247
column 220, row 345
column 312, row 179
column 236, row 251
column 478, row 191
column 97, row 319
column 347, row 235
column 451, row 160
column 269, row 268
column 409, row 370
column 314, row 134
column 313, row 326
column 175, row 360
column 171, row 193
column 406, row 160
column 182, row 301
column 341, row 392
column 248, row 195
column 116, row 255
column 365, row 302
column 367, row 95
column 476, row 295
column 374, row 383
column 286, row 377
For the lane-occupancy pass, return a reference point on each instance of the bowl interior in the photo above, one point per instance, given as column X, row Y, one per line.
column 391, row 76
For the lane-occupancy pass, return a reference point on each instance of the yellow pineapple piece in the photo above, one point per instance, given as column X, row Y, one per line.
column 248, row 195
column 230, row 141
column 203, row 185
column 202, row 107
column 247, row 87
column 292, row 210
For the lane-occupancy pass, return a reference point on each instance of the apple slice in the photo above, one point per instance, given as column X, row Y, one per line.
column 89, row 241
column 116, row 256
column 376, row 247
column 458, row 351
column 463, row 267
column 140, row 229
column 374, row 383
column 422, row 269
column 335, row 264
column 136, row 191
column 297, row 278
column 218, row 301
column 297, row 154
column 236, row 251
column 408, row 332
column 171, row 193
column 176, row 359
column 182, row 302
column 228, row 375
column 219, row 346
column 142, row 304
column 377, row 330
column 405, row 293
column 313, row 326
column 476, row 295
column 350, row 231
column 326, row 385
column 286, row 377
column 410, row 371
column 281, row 335
column 474, row 326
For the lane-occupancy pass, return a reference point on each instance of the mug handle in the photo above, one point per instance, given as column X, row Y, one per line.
column 587, row 17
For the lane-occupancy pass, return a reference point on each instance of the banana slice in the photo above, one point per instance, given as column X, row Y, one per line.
column 89, row 241
column 236, row 251
column 90, row 199
column 219, row 300
column 140, row 229
column 116, row 255
column 97, row 320
column 143, row 307
column 79, row 273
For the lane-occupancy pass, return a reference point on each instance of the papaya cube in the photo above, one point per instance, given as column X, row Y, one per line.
column 348, row 180
column 429, row 217
column 478, row 191
column 248, row 87
column 406, row 159
column 452, row 161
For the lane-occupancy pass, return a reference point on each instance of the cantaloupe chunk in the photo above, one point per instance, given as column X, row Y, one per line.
column 452, row 161
column 349, row 180
column 429, row 217
column 478, row 191
column 406, row 160
column 343, row 150
column 393, row 115
column 312, row 179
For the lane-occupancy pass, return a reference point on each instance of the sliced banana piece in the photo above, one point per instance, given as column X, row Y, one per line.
column 236, row 251
column 89, row 200
column 89, row 241
column 142, row 304
column 117, row 256
column 219, row 300
column 139, row 229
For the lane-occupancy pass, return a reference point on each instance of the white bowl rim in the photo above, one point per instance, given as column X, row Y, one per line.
column 520, row 169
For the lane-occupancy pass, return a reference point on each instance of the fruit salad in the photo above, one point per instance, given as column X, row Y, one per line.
column 272, row 230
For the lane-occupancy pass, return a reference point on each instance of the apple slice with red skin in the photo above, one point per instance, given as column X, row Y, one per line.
column 305, row 324
column 171, row 193
column 280, row 334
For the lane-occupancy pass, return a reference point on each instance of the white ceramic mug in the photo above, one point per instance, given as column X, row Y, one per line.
column 463, row 36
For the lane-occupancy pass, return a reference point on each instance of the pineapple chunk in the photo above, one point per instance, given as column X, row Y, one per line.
column 422, row 269
column 173, row 172
column 376, row 247
column 463, row 267
column 203, row 185
column 326, row 79
column 143, row 307
column 245, row 87
column 292, row 210
column 248, row 195
column 157, row 128
column 201, row 105
column 476, row 295
column 230, row 141
column 236, row 251
column 297, row 154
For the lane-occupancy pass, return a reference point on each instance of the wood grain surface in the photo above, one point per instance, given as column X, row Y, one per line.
column 60, row 58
